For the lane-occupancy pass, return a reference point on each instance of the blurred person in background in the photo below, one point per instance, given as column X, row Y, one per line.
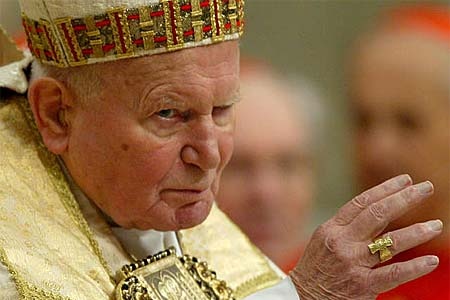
column 399, row 87
column 268, row 188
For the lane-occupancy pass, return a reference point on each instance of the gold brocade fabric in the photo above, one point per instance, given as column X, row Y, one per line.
column 36, row 231
column 230, row 253
column 52, row 252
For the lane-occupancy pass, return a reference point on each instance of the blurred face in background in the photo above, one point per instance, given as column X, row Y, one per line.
column 268, row 186
column 400, row 97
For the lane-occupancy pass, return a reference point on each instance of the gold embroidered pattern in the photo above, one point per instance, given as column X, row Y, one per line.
column 32, row 186
column 248, row 271
column 216, row 20
column 42, row 41
column 257, row 283
column 125, row 32
column 165, row 276
column 146, row 27
column 240, row 15
column 121, row 32
column 95, row 39
column 196, row 20
column 24, row 288
column 71, row 48
column 60, row 183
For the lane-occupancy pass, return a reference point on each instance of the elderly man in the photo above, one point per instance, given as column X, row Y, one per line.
column 400, row 96
column 268, row 188
column 120, row 149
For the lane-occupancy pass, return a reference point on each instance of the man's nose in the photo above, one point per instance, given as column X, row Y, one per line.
column 202, row 150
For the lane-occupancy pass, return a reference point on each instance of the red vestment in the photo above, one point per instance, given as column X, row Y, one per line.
column 433, row 286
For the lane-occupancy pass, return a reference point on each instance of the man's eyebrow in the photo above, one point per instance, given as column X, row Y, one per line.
column 149, row 105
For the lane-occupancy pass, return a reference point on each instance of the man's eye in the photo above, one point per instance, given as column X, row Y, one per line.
column 167, row 113
column 223, row 115
column 222, row 109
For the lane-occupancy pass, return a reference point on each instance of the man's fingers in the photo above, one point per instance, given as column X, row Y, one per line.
column 353, row 208
column 374, row 219
column 407, row 238
column 388, row 277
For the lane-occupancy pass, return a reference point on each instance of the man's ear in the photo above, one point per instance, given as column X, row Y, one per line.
column 49, row 100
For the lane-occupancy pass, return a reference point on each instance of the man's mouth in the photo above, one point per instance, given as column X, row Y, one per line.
column 177, row 198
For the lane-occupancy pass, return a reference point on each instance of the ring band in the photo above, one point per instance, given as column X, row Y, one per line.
column 381, row 245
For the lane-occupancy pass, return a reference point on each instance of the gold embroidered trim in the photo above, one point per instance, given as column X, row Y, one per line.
column 172, row 19
column 25, row 289
column 42, row 41
column 146, row 26
column 216, row 20
column 122, row 32
column 166, row 276
column 241, row 15
column 197, row 21
column 255, row 284
column 71, row 48
column 60, row 183
column 95, row 38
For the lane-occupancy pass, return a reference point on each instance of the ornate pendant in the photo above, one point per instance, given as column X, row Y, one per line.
column 164, row 276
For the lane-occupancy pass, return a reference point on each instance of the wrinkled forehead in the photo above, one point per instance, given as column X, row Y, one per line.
column 188, row 65
column 208, row 72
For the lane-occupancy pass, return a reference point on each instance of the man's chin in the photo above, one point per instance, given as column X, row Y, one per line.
column 184, row 217
column 192, row 214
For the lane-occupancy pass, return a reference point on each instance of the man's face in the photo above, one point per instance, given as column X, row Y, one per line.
column 402, row 116
column 150, row 150
column 268, row 186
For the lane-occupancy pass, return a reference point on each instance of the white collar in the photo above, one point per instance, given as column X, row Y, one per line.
column 141, row 243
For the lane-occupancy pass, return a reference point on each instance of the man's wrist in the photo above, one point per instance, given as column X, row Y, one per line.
column 301, row 289
column 304, row 290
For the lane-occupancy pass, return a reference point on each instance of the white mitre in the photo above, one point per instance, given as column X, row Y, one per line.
column 79, row 32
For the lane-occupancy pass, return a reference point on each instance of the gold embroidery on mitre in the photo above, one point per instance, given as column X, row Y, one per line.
column 229, row 252
column 121, row 32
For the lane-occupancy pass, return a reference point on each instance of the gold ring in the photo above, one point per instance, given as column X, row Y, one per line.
column 381, row 245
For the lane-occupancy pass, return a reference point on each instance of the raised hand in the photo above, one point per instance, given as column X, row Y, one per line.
column 337, row 263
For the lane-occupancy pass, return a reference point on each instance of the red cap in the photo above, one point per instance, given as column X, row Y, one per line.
column 433, row 20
